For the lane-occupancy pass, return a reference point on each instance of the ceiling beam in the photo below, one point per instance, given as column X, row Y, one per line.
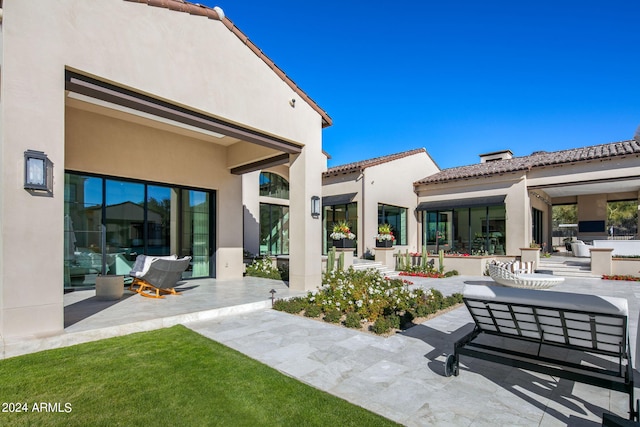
column 261, row 164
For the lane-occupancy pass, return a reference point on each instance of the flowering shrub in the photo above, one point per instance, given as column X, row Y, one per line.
column 341, row 230
column 365, row 292
column 428, row 274
column 367, row 296
column 621, row 277
column 263, row 267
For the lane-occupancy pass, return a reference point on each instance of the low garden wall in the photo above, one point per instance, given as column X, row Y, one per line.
column 625, row 266
column 464, row 265
column 620, row 247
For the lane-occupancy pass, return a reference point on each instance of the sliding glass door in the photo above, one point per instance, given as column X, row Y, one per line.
column 109, row 221
column 196, row 231
column 474, row 230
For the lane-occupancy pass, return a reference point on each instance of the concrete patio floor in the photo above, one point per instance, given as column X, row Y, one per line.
column 400, row 377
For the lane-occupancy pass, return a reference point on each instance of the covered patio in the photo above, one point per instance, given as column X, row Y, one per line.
column 87, row 318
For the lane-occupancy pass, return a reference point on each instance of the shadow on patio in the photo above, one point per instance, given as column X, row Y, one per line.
column 568, row 402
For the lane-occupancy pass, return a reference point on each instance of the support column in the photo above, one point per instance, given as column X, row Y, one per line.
column 385, row 257
column 601, row 262
column 530, row 254
column 305, row 231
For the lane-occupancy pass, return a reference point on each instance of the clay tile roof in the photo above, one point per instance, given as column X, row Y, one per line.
column 363, row 164
column 536, row 159
column 212, row 13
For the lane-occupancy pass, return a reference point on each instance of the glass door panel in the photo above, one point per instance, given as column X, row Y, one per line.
column 497, row 230
column 82, row 230
column 161, row 215
column 537, row 226
column 124, row 224
column 478, row 224
column 196, row 236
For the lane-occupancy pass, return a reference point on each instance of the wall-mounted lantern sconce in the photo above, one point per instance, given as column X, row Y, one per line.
column 315, row 207
column 38, row 172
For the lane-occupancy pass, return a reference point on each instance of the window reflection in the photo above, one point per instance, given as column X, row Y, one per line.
column 474, row 231
column 335, row 213
column 274, row 229
column 273, row 185
column 397, row 218
column 108, row 222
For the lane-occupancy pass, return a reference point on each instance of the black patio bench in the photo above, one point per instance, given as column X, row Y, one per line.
column 583, row 324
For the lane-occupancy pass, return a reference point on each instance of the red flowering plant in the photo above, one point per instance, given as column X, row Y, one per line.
column 628, row 278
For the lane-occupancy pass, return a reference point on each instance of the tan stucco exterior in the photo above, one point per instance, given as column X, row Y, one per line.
column 388, row 183
column 589, row 184
column 188, row 61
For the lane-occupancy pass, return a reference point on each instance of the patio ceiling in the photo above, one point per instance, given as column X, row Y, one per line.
column 103, row 98
column 613, row 185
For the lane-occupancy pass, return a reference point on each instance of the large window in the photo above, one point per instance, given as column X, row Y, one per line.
column 108, row 222
column 274, row 218
column 335, row 213
column 272, row 185
column 622, row 219
column 475, row 231
column 564, row 224
column 274, row 229
column 397, row 218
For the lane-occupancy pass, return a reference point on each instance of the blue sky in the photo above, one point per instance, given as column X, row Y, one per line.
column 457, row 77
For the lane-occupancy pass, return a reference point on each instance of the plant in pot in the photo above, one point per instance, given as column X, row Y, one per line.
column 385, row 237
column 342, row 235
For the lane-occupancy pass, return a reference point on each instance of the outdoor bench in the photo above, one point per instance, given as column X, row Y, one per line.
column 582, row 324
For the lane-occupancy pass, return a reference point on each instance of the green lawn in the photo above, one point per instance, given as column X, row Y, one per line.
column 169, row 377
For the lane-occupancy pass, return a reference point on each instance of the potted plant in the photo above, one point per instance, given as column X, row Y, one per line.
column 342, row 235
column 385, row 237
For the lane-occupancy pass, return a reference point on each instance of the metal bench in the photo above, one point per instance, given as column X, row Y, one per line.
column 580, row 323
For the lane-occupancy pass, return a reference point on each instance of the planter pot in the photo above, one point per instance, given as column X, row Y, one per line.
column 343, row 243
column 109, row 287
column 384, row 244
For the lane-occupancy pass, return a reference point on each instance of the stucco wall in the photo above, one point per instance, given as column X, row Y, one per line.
column 389, row 183
column 187, row 60
column 512, row 186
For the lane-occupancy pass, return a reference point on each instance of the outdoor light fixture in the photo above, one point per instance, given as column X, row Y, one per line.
column 38, row 172
column 273, row 296
column 315, row 207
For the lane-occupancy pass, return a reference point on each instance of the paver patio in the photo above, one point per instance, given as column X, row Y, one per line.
column 400, row 377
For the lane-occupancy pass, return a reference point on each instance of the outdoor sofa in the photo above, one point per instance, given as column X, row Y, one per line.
column 518, row 274
column 524, row 326
column 581, row 249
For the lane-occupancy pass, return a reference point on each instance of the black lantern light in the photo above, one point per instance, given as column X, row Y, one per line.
column 315, row 207
column 38, row 172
